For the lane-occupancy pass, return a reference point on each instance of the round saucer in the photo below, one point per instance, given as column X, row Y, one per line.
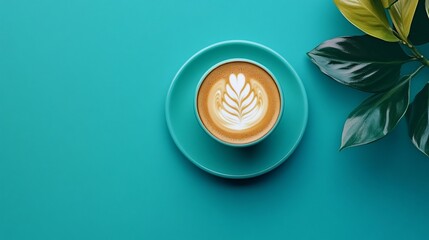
column 213, row 156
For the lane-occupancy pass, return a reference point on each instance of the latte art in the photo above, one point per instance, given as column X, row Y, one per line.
column 239, row 106
column 238, row 102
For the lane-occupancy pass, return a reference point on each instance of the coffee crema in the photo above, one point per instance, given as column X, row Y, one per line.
column 238, row 102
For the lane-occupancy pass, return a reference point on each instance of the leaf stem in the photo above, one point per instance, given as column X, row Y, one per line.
column 415, row 72
column 413, row 49
column 408, row 78
column 418, row 55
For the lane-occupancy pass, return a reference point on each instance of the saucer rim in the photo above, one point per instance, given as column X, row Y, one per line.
column 262, row 171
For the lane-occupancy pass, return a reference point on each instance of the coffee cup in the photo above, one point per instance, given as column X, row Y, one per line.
column 238, row 102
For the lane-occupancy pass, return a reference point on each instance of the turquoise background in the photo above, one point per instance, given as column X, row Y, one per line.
column 85, row 152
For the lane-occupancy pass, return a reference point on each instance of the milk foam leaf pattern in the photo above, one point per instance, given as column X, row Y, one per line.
column 240, row 106
column 419, row 33
column 418, row 122
column 375, row 117
column 402, row 13
column 362, row 62
column 368, row 16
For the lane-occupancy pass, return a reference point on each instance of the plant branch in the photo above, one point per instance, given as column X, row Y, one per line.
column 413, row 49
column 408, row 78
column 418, row 55
column 416, row 71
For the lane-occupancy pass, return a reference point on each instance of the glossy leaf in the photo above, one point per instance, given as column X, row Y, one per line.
column 419, row 33
column 361, row 62
column 368, row 16
column 418, row 122
column 427, row 7
column 375, row 117
column 402, row 13
column 388, row 3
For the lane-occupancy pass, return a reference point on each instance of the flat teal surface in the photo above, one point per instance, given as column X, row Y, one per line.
column 85, row 152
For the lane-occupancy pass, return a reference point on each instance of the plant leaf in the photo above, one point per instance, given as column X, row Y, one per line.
column 402, row 13
column 388, row 3
column 419, row 33
column 427, row 7
column 375, row 117
column 368, row 16
column 418, row 122
column 361, row 62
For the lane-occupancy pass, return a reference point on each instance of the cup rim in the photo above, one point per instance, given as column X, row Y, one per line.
column 229, row 61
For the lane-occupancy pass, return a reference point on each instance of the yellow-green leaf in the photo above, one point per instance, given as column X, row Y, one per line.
column 402, row 13
column 427, row 7
column 388, row 3
column 419, row 32
column 368, row 16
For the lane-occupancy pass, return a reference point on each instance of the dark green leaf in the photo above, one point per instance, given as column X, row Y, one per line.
column 361, row 62
column 402, row 13
column 418, row 122
column 368, row 16
column 419, row 33
column 375, row 117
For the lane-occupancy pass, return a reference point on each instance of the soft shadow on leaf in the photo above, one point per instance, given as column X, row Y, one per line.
column 368, row 16
column 388, row 3
column 402, row 13
column 418, row 122
column 419, row 33
column 375, row 117
column 362, row 62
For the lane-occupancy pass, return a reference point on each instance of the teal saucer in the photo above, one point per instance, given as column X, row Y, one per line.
column 213, row 156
